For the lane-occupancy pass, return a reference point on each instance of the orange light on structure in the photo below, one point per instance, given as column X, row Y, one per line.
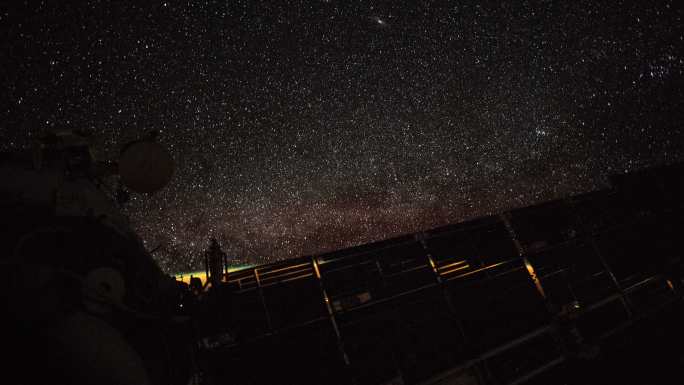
column 461, row 265
column 670, row 285
column 533, row 275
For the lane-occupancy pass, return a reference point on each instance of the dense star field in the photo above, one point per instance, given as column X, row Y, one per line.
column 299, row 127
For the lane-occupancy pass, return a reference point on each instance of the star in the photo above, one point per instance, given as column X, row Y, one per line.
column 379, row 21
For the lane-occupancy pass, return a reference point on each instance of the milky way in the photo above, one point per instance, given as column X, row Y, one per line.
column 300, row 127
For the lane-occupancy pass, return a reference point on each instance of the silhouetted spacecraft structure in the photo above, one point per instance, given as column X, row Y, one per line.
column 586, row 289
column 582, row 290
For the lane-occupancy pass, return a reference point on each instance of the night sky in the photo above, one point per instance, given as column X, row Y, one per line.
column 300, row 127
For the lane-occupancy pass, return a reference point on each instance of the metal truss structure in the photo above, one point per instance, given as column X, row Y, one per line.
column 533, row 295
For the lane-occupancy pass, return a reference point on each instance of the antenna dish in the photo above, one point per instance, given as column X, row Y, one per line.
column 145, row 167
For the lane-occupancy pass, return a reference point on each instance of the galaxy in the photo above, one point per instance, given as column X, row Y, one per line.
column 301, row 127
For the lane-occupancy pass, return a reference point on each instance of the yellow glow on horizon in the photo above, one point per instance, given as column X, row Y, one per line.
column 185, row 277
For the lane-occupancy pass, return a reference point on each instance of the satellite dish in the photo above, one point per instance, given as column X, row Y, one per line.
column 145, row 166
